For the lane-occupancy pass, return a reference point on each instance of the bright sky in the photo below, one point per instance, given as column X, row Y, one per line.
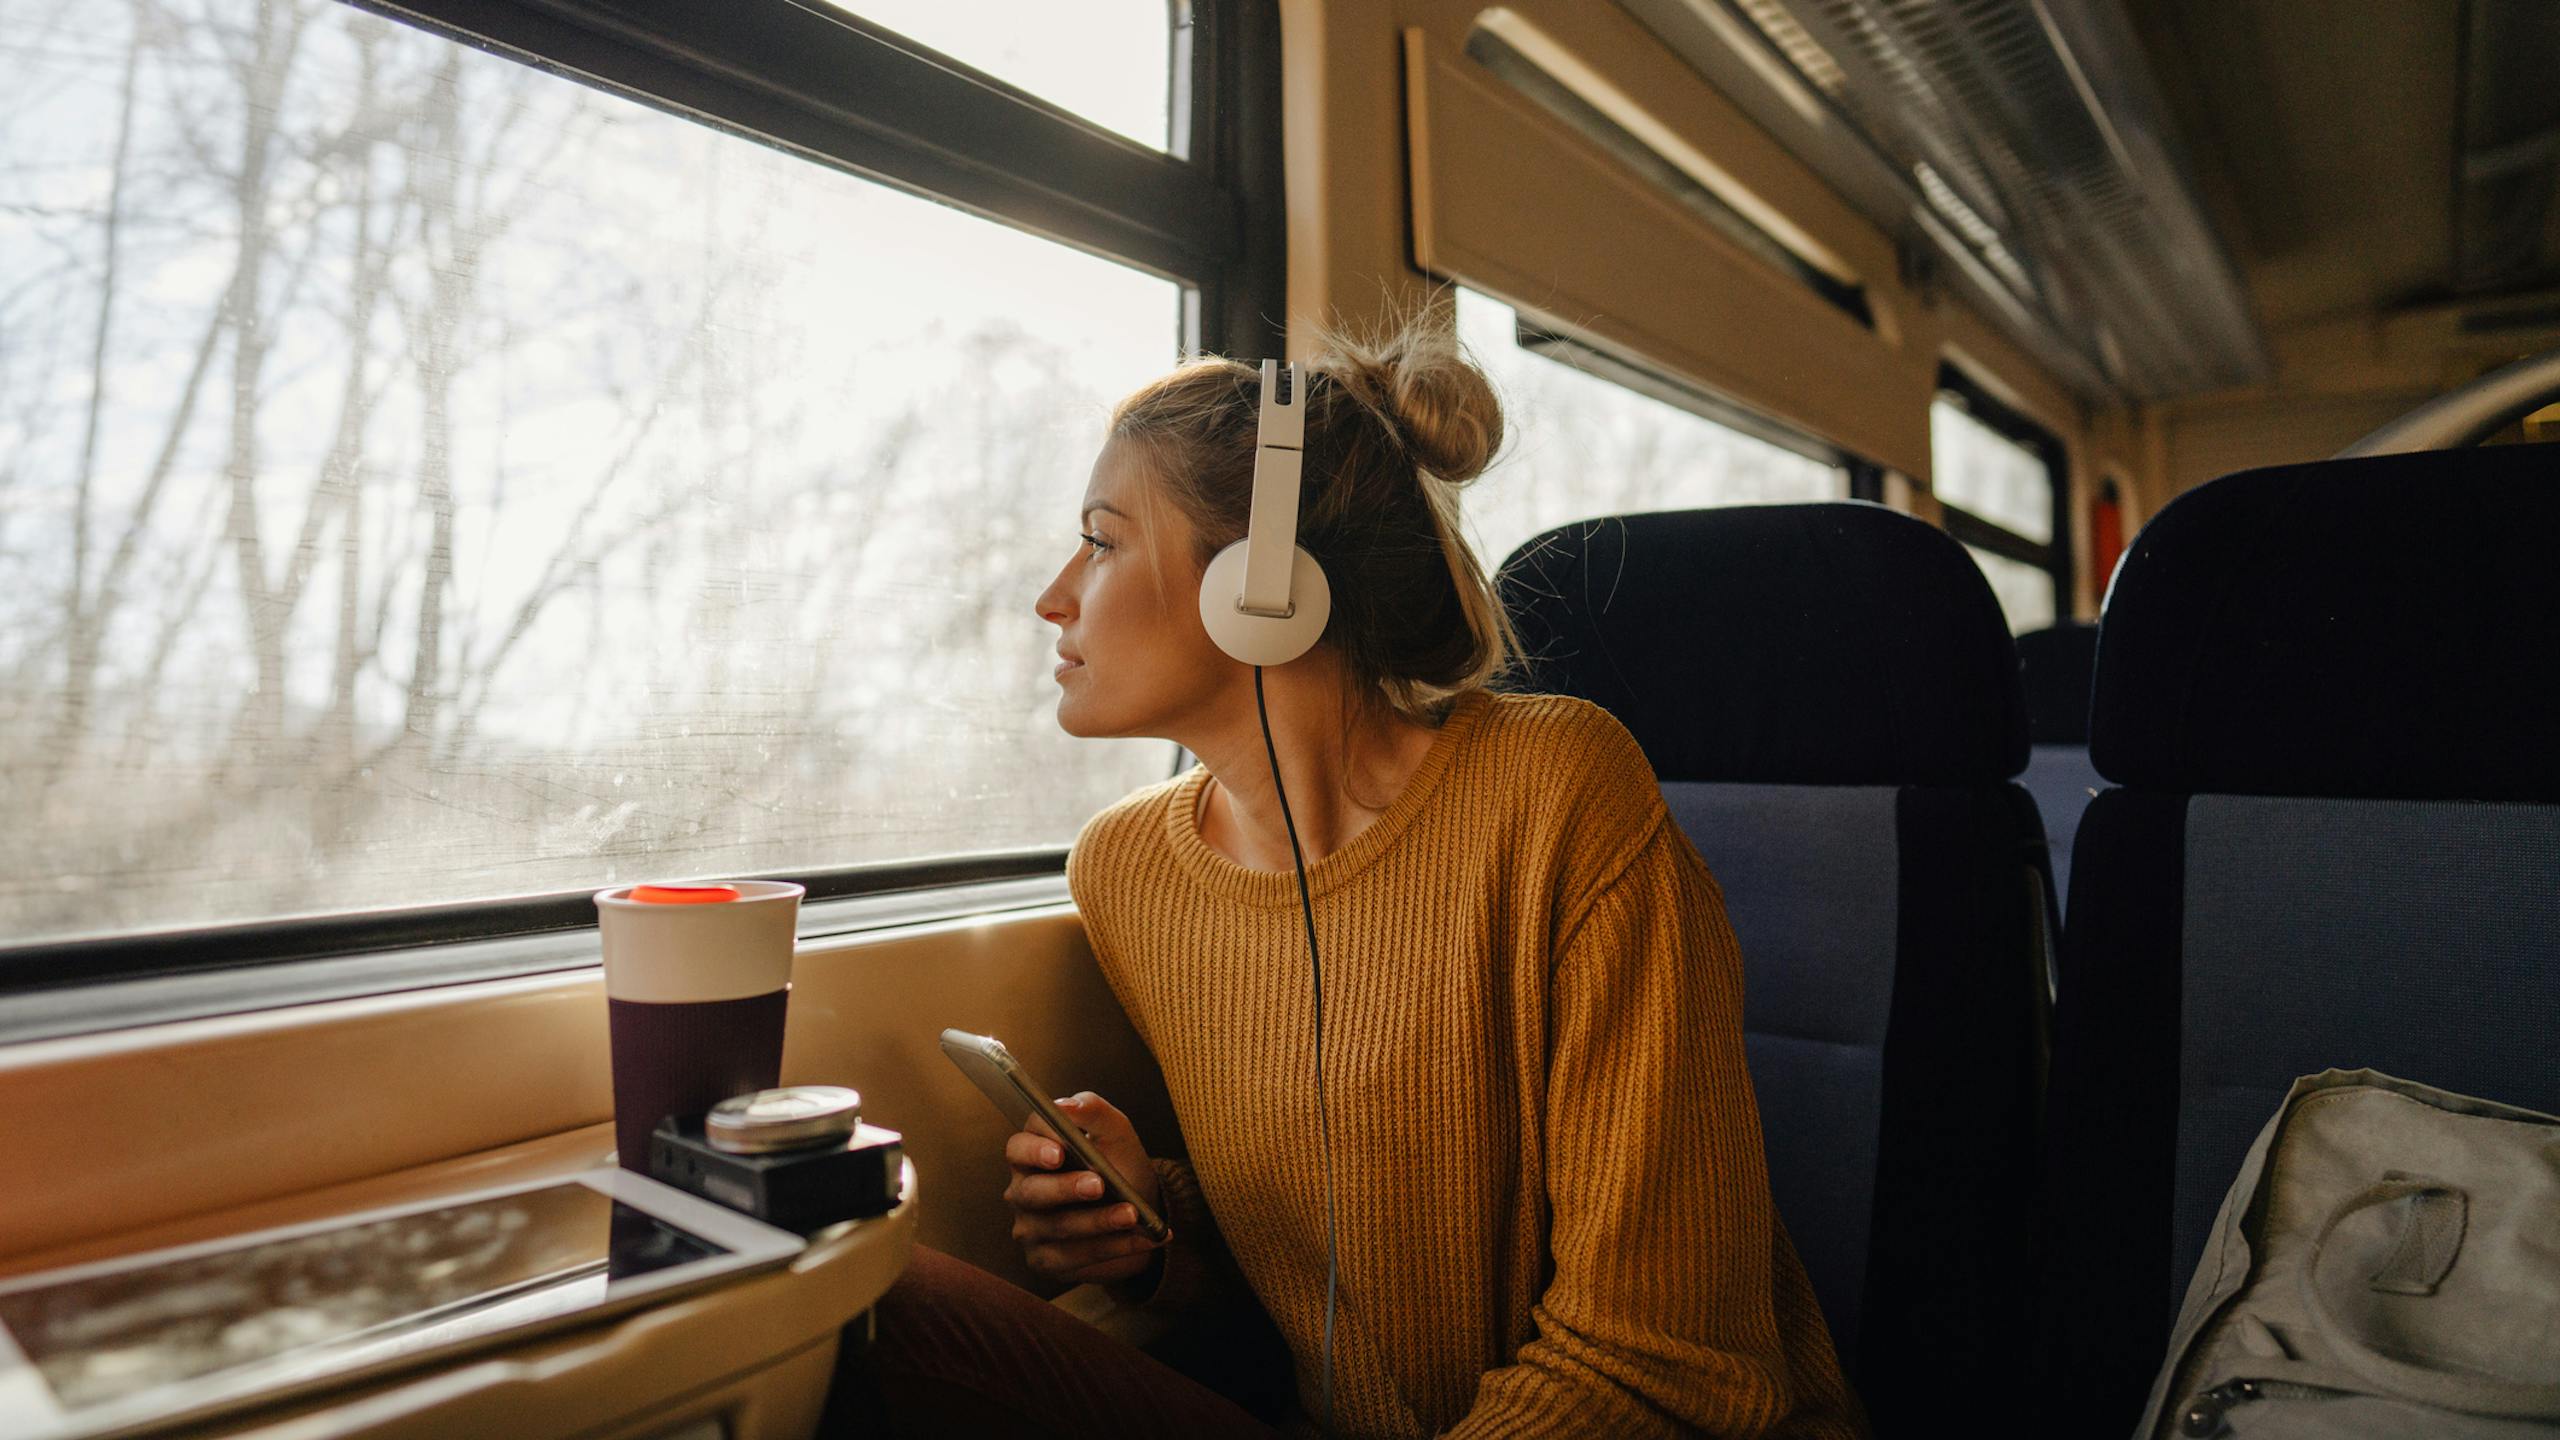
column 1076, row 53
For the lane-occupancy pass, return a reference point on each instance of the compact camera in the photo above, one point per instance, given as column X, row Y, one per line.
column 799, row 1157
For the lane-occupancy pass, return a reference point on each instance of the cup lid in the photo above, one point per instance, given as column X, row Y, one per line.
column 784, row 1119
column 683, row 894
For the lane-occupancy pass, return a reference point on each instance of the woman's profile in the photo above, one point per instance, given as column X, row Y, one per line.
column 1553, row 1213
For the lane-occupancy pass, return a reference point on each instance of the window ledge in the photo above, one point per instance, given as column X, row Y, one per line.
column 117, row 1003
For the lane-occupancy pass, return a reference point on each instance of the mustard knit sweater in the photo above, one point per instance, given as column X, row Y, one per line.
column 1554, row 1209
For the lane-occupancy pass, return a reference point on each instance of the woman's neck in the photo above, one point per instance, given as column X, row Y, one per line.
column 1338, row 783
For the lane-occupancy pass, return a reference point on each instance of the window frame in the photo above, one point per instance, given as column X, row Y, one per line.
column 2052, row 556
column 836, row 90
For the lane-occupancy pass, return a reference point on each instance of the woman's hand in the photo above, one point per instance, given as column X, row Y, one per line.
column 1071, row 1228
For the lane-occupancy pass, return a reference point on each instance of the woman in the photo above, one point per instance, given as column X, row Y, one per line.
column 1554, row 1213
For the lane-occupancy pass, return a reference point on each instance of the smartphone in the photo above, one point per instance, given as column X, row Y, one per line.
column 1001, row 1078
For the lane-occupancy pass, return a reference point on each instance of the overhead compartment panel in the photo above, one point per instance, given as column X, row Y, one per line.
column 1507, row 200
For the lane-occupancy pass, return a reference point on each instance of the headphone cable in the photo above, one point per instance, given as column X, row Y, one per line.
column 1324, row 1131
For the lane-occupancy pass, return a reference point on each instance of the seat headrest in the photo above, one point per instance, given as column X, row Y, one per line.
column 2378, row 628
column 1829, row 644
column 2057, row 665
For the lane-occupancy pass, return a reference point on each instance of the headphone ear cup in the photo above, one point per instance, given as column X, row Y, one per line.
column 1262, row 639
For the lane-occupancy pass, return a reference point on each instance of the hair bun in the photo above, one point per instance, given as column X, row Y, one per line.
column 1442, row 406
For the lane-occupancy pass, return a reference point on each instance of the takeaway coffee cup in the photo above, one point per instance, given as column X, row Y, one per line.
column 696, row 978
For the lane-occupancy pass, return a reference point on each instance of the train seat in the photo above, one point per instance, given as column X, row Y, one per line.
column 2057, row 664
column 2322, row 691
column 1829, row 697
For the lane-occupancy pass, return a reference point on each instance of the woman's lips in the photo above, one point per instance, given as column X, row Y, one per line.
column 1064, row 666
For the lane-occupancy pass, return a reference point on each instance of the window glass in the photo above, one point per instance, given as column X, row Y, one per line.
column 1106, row 60
column 1988, row 474
column 1580, row 446
column 423, row 478
column 2025, row 591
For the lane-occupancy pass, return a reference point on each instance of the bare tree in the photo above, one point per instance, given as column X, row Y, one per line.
column 324, row 621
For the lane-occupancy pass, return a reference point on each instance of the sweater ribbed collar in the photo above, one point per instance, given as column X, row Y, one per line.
column 1275, row 888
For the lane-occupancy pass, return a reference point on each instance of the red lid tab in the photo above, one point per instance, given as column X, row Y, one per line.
column 683, row 894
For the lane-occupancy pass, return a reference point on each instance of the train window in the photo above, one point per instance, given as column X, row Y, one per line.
column 2025, row 591
column 1998, row 481
column 1987, row 473
column 425, row 478
column 1105, row 60
column 1584, row 442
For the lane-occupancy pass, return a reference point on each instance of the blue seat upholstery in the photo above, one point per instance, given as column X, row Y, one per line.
column 2322, row 692
column 2057, row 665
column 1830, row 700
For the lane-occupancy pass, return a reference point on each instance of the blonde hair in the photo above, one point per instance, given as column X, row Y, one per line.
column 1395, row 426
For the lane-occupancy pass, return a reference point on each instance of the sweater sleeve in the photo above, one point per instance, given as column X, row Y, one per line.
column 1663, row 1313
column 1196, row 1275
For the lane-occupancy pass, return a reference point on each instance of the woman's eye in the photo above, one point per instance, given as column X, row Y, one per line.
column 1097, row 542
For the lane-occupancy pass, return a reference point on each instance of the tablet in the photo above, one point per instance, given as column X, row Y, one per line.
column 100, row 1349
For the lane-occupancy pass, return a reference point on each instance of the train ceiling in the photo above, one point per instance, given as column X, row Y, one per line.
column 2019, row 147
column 2149, row 192
column 2375, row 157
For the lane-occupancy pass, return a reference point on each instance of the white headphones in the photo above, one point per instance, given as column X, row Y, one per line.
column 1264, row 599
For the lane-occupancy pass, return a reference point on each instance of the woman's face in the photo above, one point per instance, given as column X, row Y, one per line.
column 1134, row 658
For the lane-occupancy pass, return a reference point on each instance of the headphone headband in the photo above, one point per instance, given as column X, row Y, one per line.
column 1279, row 457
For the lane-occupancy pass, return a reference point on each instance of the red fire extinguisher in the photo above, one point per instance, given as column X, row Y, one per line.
column 2106, row 534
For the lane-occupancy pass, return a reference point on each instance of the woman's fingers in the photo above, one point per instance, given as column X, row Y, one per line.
column 1098, row 1117
column 1068, row 1257
column 1115, row 1138
column 1082, row 1223
column 1043, row 1191
column 1025, row 1151
column 1069, row 1225
column 1104, row 1224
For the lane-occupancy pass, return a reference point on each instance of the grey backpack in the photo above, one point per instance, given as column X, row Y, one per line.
column 2386, row 1264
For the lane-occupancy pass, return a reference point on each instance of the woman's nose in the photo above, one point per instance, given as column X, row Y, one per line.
column 1052, row 602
